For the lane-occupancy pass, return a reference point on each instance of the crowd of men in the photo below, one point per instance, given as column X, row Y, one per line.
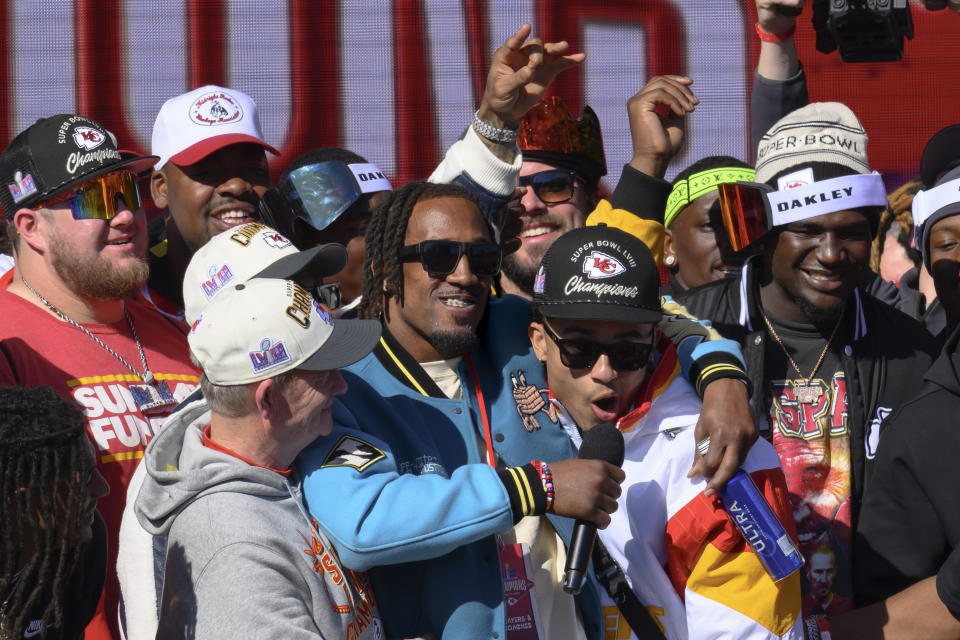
column 328, row 407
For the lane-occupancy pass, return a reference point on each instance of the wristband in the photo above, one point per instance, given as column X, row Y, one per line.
column 492, row 133
column 776, row 37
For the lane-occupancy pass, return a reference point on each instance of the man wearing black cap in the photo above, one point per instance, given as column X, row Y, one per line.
column 596, row 305
column 828, row 362
column 69, row 322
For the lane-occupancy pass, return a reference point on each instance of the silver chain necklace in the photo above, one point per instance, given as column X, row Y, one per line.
column 146, row 376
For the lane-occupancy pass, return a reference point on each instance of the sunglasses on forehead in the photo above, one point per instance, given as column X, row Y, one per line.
column 553, row 186
column 581, row 353
column 97, row 198
column 441, row 257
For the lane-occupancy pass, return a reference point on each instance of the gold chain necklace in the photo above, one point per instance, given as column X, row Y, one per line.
column 804, row 392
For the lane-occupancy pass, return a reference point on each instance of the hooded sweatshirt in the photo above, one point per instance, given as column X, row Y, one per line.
column 243, row 558
column 910, row 522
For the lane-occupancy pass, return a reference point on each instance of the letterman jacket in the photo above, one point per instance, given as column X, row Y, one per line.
column 683, row 557
column 883, row 362
column 394, row 425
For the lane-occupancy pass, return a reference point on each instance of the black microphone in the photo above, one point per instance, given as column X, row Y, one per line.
column 603, row 442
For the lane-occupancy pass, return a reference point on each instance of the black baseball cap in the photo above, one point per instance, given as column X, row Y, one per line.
column 598, row 273
column 942, row 151
column 56, row 154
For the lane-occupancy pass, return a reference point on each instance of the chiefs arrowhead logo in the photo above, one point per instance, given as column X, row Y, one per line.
column 600, row 265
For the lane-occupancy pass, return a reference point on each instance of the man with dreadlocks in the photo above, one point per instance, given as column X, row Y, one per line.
column 53, row 546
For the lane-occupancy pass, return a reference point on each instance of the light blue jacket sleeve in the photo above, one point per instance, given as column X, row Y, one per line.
column 376, row 516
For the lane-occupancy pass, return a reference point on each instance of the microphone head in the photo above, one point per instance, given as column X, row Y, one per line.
column 603, row 442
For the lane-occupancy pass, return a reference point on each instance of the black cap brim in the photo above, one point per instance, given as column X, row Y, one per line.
column 350, row 341
column 307, row 266
column 594, row 310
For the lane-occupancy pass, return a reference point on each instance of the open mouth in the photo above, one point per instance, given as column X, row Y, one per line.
column 233, row 217
column 457, row 301
column 605, row 408
column 825, row 280
column 536, row 231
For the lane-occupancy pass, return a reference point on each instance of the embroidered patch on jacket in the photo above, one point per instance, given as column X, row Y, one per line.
column 353, row 452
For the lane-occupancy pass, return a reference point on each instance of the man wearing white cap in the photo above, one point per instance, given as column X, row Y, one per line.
column 244, row 559
column 210, row 176
column 253, row 250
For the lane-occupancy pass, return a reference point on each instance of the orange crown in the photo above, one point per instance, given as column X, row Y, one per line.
column 549, row 132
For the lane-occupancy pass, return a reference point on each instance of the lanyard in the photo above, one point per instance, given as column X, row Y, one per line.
column 491, row 458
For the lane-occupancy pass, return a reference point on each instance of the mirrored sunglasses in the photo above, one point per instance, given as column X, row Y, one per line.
column 441, row 257
column 553, row 186
column 580, row 353
column 97, row 198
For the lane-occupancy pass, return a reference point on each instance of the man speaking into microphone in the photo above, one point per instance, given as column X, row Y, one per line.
column 673, row 560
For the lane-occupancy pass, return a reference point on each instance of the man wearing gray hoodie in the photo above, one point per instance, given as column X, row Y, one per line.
column 244, row 559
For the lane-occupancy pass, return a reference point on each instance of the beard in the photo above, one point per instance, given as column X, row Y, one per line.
column 97, row 277
column 520, row 267
column 818, row 316
column 453, row 343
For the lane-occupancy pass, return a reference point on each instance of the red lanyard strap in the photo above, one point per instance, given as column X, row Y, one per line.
column 491, row 457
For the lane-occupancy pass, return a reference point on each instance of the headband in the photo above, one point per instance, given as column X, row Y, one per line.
column 826, row 196
column 686, row 191
column 928, row 202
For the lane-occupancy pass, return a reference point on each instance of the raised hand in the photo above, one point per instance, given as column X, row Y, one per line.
column 657, row 131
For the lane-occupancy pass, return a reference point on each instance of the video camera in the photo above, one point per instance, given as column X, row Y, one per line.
column 864, row 30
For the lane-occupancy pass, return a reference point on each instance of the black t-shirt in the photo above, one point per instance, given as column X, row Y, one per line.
column 948, row 582
column 810, row 431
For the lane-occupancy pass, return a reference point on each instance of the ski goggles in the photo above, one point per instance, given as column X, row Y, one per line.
column 580, row 353
column 553, row 186
column 319, row 193
column 96, row 199
column 441, row 257
column 750, row 210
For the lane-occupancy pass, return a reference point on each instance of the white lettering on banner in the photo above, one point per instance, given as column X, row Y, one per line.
column 620, row 55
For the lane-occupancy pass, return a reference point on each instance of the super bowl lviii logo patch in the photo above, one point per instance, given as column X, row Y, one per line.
column 217, row 278
column 23, row 186
column 270, row 354
column 598, row 264
column 351, row 451
column 217, row 107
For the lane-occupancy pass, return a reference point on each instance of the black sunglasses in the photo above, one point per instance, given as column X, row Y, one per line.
column 441, row 257
column 553, row 186
column 580, row 353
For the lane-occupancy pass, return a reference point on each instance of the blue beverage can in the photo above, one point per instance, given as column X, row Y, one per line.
column 755, row 519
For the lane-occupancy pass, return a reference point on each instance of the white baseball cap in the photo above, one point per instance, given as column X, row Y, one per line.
column 262, row 328
column 253, row 250
column 193, row 125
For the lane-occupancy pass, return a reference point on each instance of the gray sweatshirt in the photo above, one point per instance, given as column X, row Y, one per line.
column 244, row 560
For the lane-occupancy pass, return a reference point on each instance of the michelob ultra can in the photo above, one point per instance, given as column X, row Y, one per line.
column 752, row 514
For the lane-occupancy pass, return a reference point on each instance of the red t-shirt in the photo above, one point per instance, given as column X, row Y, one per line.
column 38, row 349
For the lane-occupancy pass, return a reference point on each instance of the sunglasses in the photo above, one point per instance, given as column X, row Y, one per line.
column 745, row 211
column 441, row 257
column 553, row 186
column 580, row 353
column 97, row 199
column 318, row 194
column 328, row 294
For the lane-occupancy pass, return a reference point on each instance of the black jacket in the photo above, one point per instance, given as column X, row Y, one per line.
column 883, row 364
column 910, row 522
